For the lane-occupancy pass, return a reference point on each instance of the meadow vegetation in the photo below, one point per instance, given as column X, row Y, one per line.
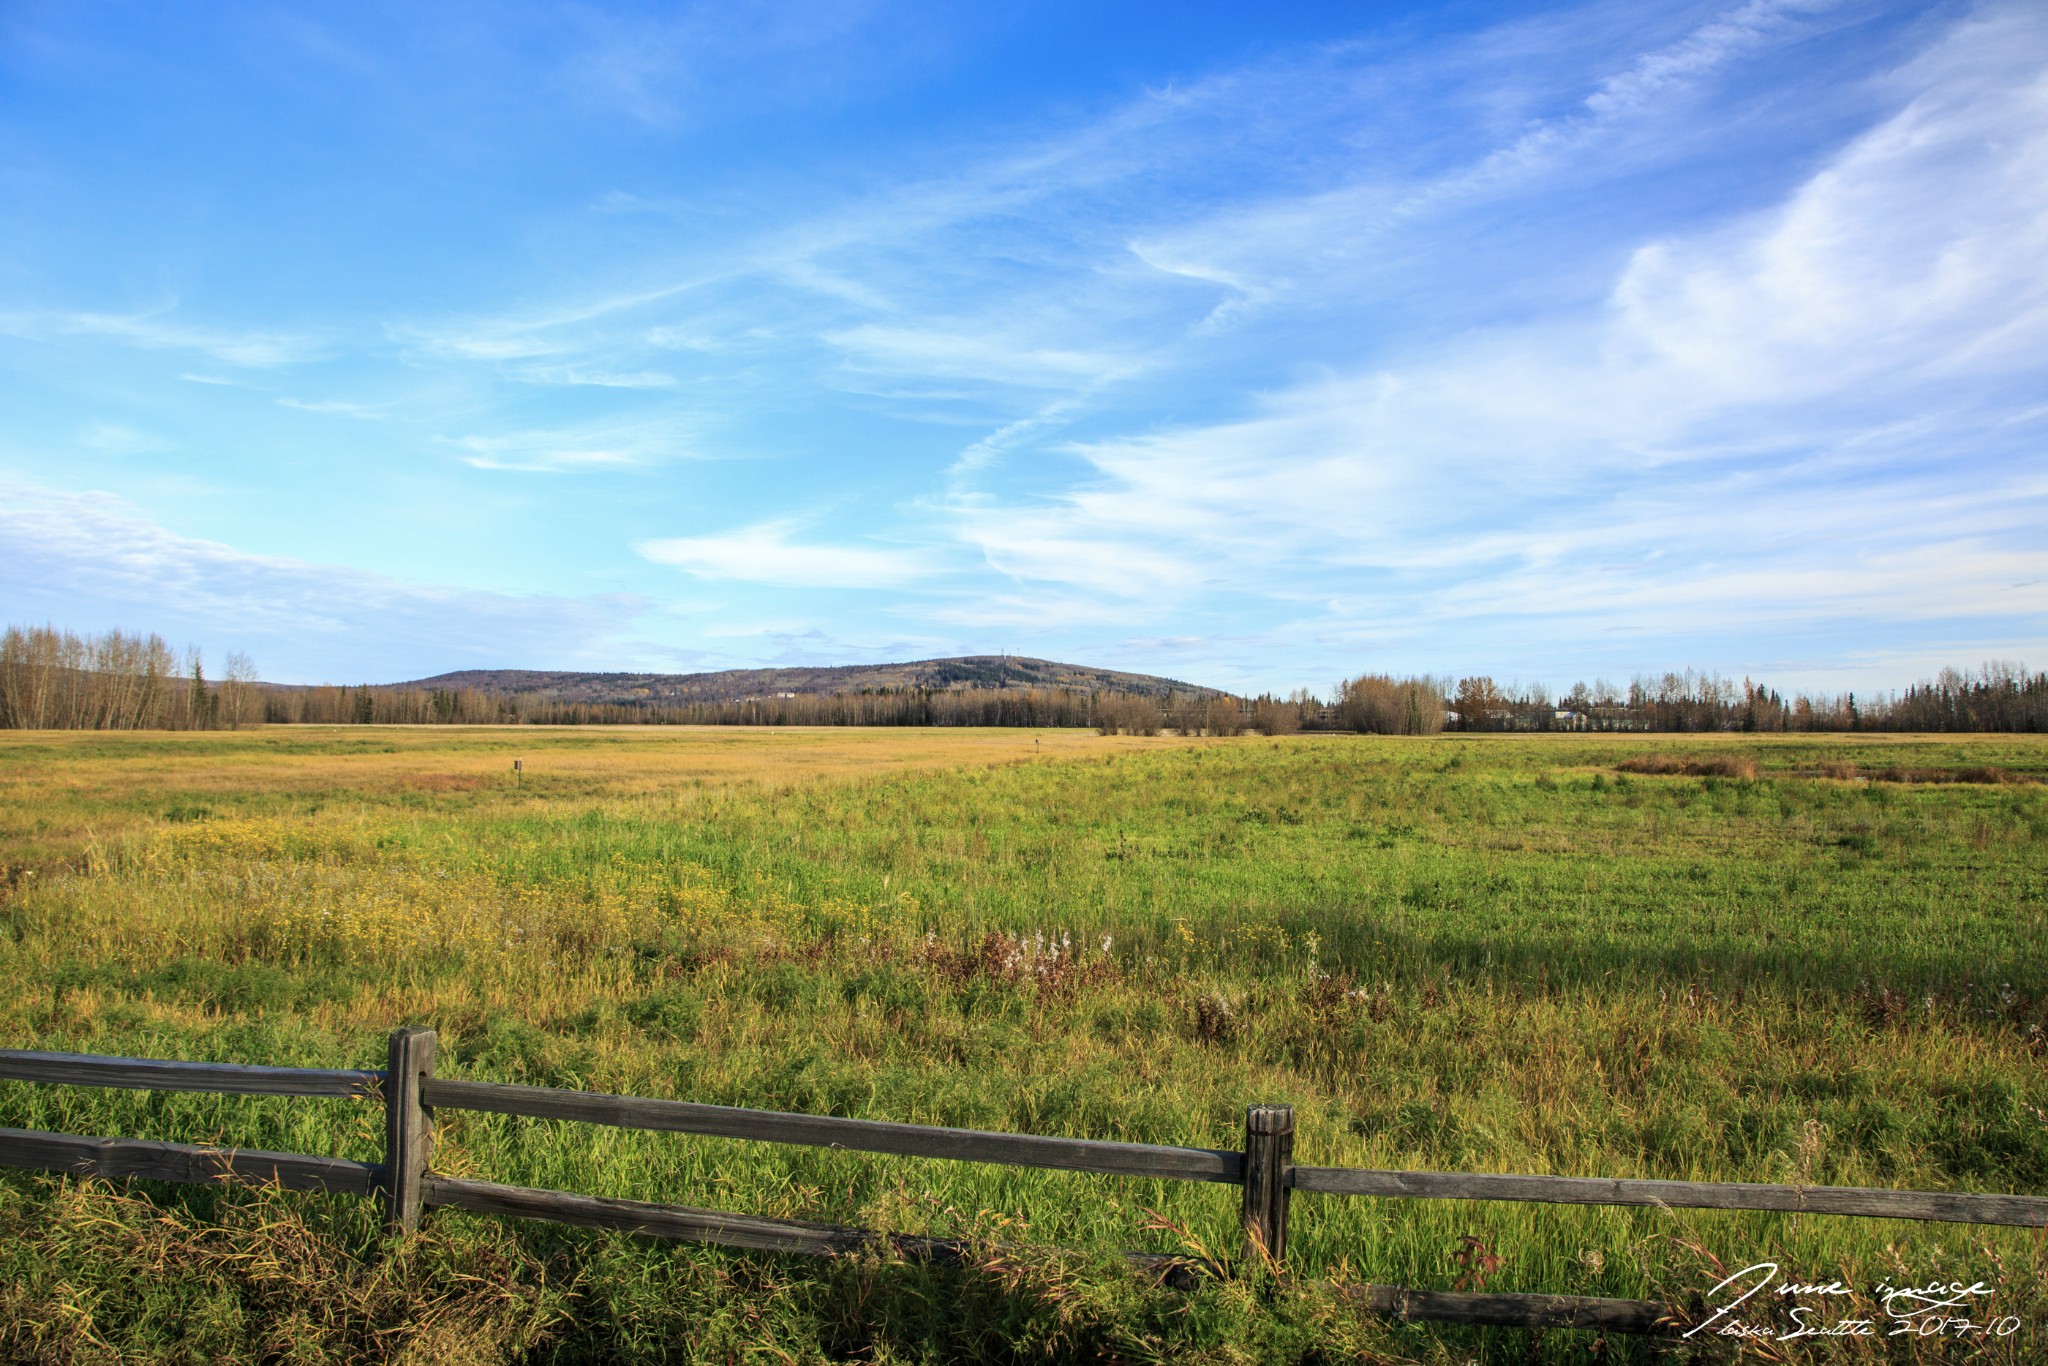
column 1730, row 958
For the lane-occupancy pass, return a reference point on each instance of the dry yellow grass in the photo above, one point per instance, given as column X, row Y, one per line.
column 60, row 790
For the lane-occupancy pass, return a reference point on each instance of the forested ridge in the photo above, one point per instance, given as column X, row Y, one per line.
column 52, row 679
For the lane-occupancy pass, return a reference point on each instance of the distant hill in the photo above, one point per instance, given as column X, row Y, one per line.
column 740, row 685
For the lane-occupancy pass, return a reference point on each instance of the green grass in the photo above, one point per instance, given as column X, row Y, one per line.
column 1459, row 954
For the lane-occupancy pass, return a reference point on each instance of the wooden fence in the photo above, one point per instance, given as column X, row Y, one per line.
column 1264, row 1169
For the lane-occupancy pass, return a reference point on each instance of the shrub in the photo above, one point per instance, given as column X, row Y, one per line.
column 1727, row 766
column 1127, row 715
column 1380, row 705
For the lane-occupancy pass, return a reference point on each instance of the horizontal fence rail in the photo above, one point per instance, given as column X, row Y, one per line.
column 2029, row 1211
column 1514, row 1311
column 1264, row 1170
column 831, row 1131
column 158, row 1074
column 119, row 1158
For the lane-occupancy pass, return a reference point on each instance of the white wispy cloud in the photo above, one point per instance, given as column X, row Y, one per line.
column 951, row 354
column 368, row 412
column 593, row 447
column 1668, row 452
column 765, row 553
column 663, row 68
column 1914, row 255
column 1351, row 229
column 157, row 330
column 481, row 341
column 100, row 557
column 603, row 379
column 1074, row 283
column 877, row 279
column 119, row 438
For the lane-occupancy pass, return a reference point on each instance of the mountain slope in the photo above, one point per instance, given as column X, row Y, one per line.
column 734, row 685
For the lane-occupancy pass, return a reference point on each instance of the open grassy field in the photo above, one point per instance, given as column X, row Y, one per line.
column 1464, row 953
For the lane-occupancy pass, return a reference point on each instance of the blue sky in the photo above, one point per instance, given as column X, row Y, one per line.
column 1257, row 345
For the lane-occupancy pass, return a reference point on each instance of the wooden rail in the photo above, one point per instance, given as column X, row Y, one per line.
column 1265, row 1170
column 118, row 1158
column 159, row 1074
column 2027, row 1211
column 830, row 1131
column 1515, row 1311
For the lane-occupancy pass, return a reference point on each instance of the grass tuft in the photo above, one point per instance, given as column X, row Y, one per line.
column 1721, row 766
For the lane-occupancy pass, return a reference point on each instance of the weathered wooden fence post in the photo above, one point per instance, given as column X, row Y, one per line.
column 408, row 1127
column 1268, row 1154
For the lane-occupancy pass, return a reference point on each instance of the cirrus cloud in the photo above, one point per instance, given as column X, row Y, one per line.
column 765, row 553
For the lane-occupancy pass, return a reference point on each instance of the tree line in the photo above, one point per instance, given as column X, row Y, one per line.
column 60, row 680
column 2000, row 696
column 57, row 679
column 1029, row 706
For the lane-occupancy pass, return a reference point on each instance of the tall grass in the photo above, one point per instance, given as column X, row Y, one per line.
column 1465, row 953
